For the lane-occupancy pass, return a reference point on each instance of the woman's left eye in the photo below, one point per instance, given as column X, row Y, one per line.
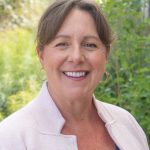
column 90, row 45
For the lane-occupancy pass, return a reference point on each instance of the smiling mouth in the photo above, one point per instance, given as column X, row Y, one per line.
column 76, row 74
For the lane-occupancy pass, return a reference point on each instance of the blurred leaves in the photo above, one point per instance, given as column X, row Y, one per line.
column 18, row 12
column 20, row 69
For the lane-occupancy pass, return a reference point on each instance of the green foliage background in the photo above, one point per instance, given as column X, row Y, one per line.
column 129, row 63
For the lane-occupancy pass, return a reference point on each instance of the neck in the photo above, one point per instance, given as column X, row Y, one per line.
column 74, row 109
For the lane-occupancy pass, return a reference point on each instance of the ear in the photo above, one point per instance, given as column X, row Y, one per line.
column 40, row 56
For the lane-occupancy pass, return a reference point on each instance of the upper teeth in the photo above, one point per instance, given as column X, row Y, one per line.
column 75, row 74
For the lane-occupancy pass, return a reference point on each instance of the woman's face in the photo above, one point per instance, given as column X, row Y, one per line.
column 75, row 60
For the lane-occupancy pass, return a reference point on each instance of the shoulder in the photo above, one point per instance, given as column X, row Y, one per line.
column 119, row 115
column 122, row 117
column 16, row 125
column 114, row 111
column 19, row 119
column 119, row 121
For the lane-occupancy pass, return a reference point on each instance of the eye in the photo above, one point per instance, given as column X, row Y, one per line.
column 90, row 46
column 62, row 44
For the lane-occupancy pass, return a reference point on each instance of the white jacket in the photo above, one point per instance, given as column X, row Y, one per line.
column 38, row 126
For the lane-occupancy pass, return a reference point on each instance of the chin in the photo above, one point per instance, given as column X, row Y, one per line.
column 77, row 92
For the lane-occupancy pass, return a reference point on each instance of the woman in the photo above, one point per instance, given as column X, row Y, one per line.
column 73, row 43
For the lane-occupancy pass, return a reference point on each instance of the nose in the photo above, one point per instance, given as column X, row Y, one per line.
column 76, row 55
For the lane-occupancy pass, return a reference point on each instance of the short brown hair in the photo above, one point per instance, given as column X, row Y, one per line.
column 56, row 13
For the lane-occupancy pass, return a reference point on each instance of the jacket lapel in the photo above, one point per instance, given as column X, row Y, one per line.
column 122, row 131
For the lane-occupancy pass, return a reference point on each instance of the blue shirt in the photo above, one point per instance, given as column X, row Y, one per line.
column 117, row 148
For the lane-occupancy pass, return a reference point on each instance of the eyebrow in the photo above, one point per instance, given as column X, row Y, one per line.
column 62, row 36
column 92, row 37
column 85, row 37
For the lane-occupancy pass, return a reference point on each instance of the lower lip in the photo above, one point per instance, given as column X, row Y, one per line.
column 76, row 78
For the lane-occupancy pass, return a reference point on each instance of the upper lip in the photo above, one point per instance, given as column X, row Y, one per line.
column 79, row 70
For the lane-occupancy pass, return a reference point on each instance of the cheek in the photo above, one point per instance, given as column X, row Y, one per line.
column 53, row 62
column 99, row 70
column 99, row 63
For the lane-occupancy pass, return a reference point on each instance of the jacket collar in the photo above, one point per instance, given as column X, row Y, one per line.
column 103, row 112
column 48, row 118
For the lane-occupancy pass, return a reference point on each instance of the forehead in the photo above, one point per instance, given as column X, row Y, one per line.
column 78, row 22
column 78, row 13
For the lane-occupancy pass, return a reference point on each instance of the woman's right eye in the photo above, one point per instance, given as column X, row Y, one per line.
column 62, row 44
